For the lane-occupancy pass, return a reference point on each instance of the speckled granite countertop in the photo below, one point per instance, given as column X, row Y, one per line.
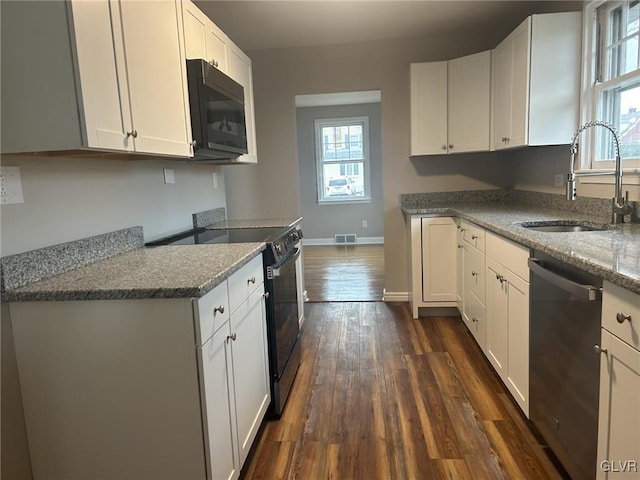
column 611, row 254
column 156, row 272
column 255, row 223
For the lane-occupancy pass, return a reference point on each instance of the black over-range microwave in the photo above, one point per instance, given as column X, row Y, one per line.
column 217, row 113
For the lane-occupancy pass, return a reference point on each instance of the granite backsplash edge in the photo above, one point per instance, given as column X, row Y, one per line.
column 24, row 268
column 599, row 207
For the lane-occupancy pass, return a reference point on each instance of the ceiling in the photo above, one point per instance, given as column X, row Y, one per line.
column 270, row 24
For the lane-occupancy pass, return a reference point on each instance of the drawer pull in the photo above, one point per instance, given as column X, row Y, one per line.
column 459, row 246
column 474, row 237
column 597, row 349
column 251, row 280
column 621, row 317
column 231, row 337
column 265, row 295
column 219, row 309
column 474, row 274
column 474, row 319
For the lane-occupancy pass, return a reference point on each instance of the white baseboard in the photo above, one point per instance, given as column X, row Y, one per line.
column 394, row 296
column 330, row 241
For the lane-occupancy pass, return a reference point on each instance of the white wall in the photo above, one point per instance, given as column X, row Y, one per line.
column 72, row 198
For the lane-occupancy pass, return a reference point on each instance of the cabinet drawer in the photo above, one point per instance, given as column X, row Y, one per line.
column 616, row 300
column 476, row 324
column 510, row 254
column 244, row 282
column 473, row 234
column 212, row 311
column 475, row 275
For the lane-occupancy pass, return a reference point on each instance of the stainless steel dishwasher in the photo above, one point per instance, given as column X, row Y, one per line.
column 564, row 377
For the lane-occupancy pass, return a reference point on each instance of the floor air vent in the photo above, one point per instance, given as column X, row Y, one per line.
column 346, row 239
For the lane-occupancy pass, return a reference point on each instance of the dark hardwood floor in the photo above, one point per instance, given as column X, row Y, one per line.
column 382, row 396
column 344, row 272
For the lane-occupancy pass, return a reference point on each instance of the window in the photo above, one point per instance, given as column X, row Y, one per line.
column 612, row 82
column 342, row 159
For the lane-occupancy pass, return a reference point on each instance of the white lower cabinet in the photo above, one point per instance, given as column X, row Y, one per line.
column 474, row 280
column 432, row 250
column 144, row 388
column 619, row 411
column 507, row 328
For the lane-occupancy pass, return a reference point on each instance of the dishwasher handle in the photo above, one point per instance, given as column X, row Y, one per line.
column 584, row 292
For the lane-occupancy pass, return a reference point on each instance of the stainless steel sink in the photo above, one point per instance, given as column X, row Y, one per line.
column 563, row 226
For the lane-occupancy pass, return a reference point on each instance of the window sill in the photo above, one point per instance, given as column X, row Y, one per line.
column 344, row 201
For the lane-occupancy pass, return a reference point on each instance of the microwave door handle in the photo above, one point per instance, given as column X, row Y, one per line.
column 584, row 292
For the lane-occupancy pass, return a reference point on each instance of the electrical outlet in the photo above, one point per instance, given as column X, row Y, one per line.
column 169, row 176
column 10, row 186
column 364, row 224
column 558, row 180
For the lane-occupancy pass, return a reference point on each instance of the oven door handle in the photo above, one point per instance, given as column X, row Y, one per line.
column 275, row 272
column 584, row 292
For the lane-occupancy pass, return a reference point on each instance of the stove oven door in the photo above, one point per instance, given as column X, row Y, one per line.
column 283, row 328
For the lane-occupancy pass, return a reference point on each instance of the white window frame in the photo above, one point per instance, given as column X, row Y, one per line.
column 590, row 97
column 320, row 180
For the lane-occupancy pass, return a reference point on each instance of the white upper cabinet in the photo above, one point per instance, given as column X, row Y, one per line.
column 202, row 38
column 240, row 70
column 450, row 105
column 536, row 82
column 118, row 66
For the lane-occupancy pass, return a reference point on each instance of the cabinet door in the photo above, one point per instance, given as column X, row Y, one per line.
column 156, row 74
column 497, row 340
column 438, row 259
column 250, row 369
column 428, row 108
column 619, row 415
column 517, row 374
column 239, row 66
column 459, row 267
column 101, row 71
column 196, row 29
column 469, row 103
column 501, row 79
column 219, row 411
column 520, row 54
column 217, row 47
column 475, row 275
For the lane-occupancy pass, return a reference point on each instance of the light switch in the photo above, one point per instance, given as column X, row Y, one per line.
column 10, row 186
column 169, row 176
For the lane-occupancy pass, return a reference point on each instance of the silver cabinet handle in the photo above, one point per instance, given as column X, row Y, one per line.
column 474, row 274
column 474, row 237
column 474, row 319
column 231, row 337
column 218, row 309
column 251, row 280
column 451, row 146
column 621, row 317
column 133, row 134
column 459, row 246
column 444, row 147
column 266, row 295
column 597, row 349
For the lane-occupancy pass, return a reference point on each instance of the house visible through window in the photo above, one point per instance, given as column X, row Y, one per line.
column 342, row 159
column 613, row 82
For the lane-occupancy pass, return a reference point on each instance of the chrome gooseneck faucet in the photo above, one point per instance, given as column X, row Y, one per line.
column 619, row 204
